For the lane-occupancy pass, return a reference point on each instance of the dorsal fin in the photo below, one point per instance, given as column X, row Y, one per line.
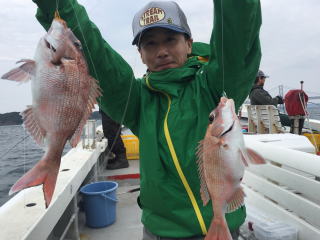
column 94, row 93
column 203, row 186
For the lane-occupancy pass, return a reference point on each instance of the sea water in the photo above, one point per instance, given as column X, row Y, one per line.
column 18, row 154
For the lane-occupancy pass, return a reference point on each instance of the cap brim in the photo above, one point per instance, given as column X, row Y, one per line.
column 171, row 27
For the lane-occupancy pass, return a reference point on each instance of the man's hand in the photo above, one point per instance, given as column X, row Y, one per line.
column 280, row 99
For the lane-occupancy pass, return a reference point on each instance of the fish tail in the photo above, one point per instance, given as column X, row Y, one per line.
column 44, row 172
column 218, row 230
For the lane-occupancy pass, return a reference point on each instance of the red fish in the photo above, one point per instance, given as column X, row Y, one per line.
column 63, row 96
column 222, row 157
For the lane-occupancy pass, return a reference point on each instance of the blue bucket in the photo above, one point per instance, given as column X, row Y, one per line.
column 99, row 203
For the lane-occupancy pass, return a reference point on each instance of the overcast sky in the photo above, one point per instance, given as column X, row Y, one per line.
column 290, row 40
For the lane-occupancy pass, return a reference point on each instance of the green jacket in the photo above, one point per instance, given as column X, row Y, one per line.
column 169, row 110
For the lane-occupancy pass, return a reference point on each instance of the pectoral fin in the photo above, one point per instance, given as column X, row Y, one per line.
column 250, row 156
column 254, row 157
column 22, row 73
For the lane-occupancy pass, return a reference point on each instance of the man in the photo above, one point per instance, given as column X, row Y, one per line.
column 168, row 108
column 259, row 96
column 111, row 131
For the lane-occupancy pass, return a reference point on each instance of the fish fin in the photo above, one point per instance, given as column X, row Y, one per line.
column 204, row 193
column 218, row 230
column 22, row 73
column 254, row 157
column 32, row 126
column 74, row 140
column 41, row 173
column 94, row 93
column 244, row 158
column 237, row 200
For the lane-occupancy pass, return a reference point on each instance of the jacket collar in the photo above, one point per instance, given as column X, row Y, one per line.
column 172, row 80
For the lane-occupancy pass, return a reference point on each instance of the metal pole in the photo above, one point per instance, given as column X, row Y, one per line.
column 73, row 220
column 93, row 129
column 281, row 94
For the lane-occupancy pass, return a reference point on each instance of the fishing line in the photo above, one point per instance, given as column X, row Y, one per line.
column 24, row 163
column 95, row 72
column 224, row 94
column 26, row 136
column 57, row 6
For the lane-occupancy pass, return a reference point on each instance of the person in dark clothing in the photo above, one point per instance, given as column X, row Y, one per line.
column 259, row 96
column 111, row 131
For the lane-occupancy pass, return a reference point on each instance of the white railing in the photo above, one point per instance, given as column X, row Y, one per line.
column 311, row 123
column 25, row 216
column 286, row 188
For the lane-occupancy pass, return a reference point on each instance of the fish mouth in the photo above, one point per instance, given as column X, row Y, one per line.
column 228, row 130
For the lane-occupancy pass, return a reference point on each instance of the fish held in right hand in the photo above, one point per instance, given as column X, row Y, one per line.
column 222, row 157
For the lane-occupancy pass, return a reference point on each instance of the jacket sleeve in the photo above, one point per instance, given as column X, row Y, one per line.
column 120, row 89
column 262, row 97
column 235, row 48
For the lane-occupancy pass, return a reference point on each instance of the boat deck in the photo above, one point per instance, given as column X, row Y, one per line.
column 286, row 190
column 128, row 214
column 127, row 225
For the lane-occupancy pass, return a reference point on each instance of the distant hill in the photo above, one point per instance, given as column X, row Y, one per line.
column 14, row 118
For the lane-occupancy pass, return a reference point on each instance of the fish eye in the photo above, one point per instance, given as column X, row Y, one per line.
column 211, row 118
column 78, row 45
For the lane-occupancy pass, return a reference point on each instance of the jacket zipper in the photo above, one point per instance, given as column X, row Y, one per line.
column 177, row 164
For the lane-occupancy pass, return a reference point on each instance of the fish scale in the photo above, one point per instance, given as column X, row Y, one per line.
column 63, row 97
column 221, row 160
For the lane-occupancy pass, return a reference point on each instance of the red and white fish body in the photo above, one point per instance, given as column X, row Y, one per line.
column 222, row 157
column 63, row 96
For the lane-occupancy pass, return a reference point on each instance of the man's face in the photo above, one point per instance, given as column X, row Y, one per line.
column 261, row 81
column 162, row 49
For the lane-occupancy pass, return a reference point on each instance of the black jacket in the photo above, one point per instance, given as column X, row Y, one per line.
column 259, row 96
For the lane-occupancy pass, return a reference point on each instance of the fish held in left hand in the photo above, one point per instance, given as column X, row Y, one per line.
column 222, row 157
column 63, row 96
